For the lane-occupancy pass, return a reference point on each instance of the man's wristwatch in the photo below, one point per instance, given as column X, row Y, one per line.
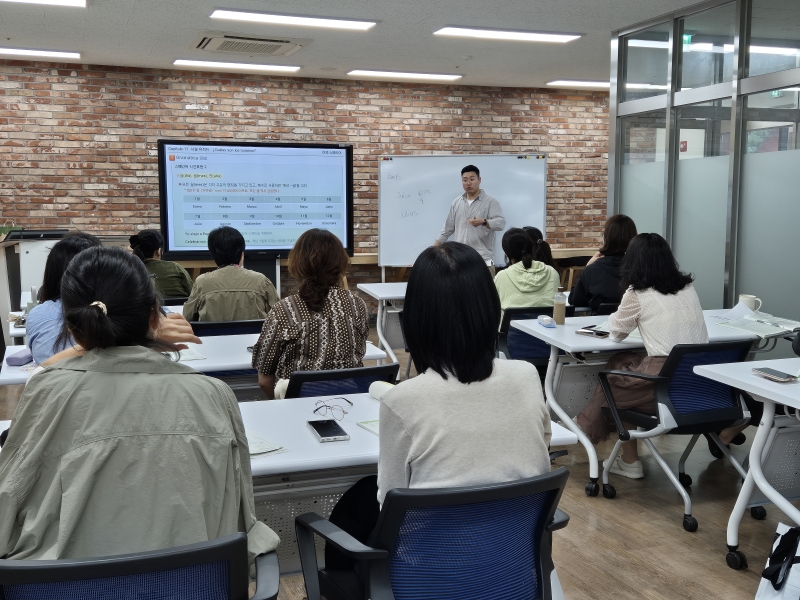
column 485, row 223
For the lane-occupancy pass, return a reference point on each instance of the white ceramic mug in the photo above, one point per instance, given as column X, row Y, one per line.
column 750, row 301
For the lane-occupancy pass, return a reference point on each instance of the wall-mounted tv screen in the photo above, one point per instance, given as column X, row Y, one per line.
column 272, row 193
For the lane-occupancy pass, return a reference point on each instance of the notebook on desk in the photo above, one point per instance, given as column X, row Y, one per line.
column 763, row 325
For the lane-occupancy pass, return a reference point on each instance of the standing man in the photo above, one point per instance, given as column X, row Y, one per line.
column 474, row 217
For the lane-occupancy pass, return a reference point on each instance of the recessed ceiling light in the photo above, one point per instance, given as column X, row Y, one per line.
column 400, row 75
column 499, row 34
column 42, row 53
column 257, row 17
column 645, row 86
column 581, row 84
column 237, row 66
column 648, row 44
column 76, row 3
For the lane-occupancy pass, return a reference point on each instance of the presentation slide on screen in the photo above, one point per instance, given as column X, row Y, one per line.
column 271, row 194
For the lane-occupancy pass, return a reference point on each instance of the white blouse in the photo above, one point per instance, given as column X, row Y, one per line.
column 664, row 320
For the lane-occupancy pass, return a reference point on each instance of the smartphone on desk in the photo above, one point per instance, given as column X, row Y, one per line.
column 592, row 332
column 328, row 430
column 774, row 375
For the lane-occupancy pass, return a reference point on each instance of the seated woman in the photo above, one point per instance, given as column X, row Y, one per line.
column 525, row 282
column 46, row 320
column 468, row 418
column 599, row 282
column 170, row 278
column 541, row 249
column 662, row 303
column 120, row 449
column 322, row 326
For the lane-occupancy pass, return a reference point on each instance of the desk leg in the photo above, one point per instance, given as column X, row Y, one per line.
column 382, row 343
column 755, row 477
column 592, row 488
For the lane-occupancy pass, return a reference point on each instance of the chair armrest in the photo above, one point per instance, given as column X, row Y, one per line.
column 560, row 520
column 343, row 541
column 624, row 434
column 582, row 310
column 268, row 577
column 308, row 524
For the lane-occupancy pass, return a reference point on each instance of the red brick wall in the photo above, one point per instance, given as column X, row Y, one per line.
column 78, row 142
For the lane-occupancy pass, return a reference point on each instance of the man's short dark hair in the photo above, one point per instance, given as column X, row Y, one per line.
column 471, row 169
column 226, row 245
column 451, row 313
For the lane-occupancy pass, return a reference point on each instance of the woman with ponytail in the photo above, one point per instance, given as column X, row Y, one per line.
column 119, row 449
column 322, row 326
column 525, row 282
column 170, row 278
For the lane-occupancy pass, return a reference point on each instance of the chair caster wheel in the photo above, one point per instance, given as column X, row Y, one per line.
column 689, row 523
column 759, row 513
column 736, row 560
column 685, row 479
column 609, row 491
column 592, row 488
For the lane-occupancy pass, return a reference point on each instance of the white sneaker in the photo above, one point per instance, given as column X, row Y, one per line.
column 631, row 471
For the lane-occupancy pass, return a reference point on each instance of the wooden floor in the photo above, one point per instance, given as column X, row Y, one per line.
column 634, row 546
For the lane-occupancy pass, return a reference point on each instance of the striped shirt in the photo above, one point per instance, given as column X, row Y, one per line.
column 296, row 339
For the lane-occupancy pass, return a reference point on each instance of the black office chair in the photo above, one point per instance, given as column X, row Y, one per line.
column 177, row 301
column 487, row 541
column 337, row 382
column 686, row 404
column 213, row 570
column 796, row 344
column 518, row 345
column 607, row 308
column 215, row 328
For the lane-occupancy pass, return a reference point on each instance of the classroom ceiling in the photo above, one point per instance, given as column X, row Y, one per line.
column 153, row 33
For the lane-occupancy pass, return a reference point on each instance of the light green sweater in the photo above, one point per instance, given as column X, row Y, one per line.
column 521, row 288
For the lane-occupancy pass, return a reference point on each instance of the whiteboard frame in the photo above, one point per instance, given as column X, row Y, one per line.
column 543, row 156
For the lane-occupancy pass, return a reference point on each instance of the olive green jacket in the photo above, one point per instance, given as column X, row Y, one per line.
column 169, row 277
column 230, row 294
column 121, row 451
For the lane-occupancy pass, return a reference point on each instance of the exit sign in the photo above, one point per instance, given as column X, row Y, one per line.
column 776, row 93
column 687, row 39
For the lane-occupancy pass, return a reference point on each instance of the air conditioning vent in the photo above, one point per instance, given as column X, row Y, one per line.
column 217, row 41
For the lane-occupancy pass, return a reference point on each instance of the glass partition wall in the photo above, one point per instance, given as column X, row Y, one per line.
column 705, row 145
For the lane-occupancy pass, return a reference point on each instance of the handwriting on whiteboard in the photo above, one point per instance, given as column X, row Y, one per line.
column 394, row 176
column 409, row 213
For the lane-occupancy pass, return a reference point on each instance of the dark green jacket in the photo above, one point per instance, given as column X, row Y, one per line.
column 171, row 278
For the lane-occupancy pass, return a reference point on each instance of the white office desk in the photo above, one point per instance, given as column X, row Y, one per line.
column 309, row 475
column 563, row 337
column 285, row 422
column 740, row 376
column 383, row 293
column 223, row 353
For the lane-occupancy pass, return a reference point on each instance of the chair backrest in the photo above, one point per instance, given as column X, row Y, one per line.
column 215, row 328
column 484, row 541
column 520, row 345
column 796, row 344
column 309, row 384
column 177, row 301
column 607, row 308
column 213, row 570
column 692, row 396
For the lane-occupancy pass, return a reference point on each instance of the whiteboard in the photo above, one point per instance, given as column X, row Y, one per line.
column 415, row 194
